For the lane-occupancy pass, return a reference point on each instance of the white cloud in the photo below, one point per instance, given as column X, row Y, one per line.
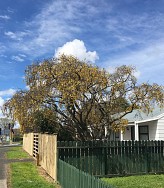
column 10, row 10
column 27, row 88
column 4, row 17
column 134, row 30
column 10, row 34
column 8, row 92
column 22, row 55
column 148, row 62
column 78, row 49
column 50, row 27
column 2, row 48
column 57, row 22
column 142, row 57
column 17, row 58
column 5, row 94
column 137, row 74
column 2, row 55
column 18, row 36
column 2, row 101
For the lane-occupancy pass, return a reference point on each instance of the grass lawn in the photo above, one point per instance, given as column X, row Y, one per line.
column 25, row 174
column 144, row 181
column 17, row 153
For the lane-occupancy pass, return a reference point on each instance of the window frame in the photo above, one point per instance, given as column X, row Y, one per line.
column 140, row 133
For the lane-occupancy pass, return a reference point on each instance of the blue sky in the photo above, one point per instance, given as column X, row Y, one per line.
column 108, row 33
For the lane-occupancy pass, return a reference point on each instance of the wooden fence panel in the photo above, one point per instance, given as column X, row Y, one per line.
column 114, row 157
column 43, row 147
column 48, row 154
column 71, row 177
column 28, row 143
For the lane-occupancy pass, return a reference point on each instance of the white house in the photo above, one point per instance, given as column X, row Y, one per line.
column 144, row 127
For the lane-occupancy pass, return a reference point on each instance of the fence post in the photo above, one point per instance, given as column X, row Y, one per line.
column 105, row 159
column 37, row 159
column 56, row 157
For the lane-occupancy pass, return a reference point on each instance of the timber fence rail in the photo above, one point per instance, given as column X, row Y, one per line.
column 114, row 158
column 71, row 177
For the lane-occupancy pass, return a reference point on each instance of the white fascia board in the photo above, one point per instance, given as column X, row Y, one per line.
column 147, row 120
column 131, row 123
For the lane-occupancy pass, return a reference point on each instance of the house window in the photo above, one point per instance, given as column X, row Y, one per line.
column 117, row 136
column 143, row 133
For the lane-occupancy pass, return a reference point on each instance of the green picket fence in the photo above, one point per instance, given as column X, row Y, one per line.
column 114, row 158
column 71, row 177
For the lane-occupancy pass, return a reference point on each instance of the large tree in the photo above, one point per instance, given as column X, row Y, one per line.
column 86, row 98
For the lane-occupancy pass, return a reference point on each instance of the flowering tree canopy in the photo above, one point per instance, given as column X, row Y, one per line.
column 85, row 98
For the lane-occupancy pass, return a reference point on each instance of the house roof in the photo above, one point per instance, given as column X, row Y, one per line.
column 138, row 116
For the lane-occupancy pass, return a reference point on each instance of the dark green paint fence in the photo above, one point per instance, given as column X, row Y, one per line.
column 114, row 158
column 71, row 177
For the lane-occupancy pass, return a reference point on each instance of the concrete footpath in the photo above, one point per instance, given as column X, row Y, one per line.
column 5, row 162
column 3, row 167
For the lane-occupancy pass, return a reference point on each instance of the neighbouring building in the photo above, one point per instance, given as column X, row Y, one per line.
column 143, row 126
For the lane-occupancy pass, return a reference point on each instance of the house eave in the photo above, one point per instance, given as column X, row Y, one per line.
column 131, row 123
column 147, row 120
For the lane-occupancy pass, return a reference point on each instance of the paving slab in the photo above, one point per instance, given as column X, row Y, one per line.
column 3, row 168
column 3, row 183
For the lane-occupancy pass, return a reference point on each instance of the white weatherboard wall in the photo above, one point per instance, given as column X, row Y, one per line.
column 154, row 130
column 160, row 128
column 127, row 133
